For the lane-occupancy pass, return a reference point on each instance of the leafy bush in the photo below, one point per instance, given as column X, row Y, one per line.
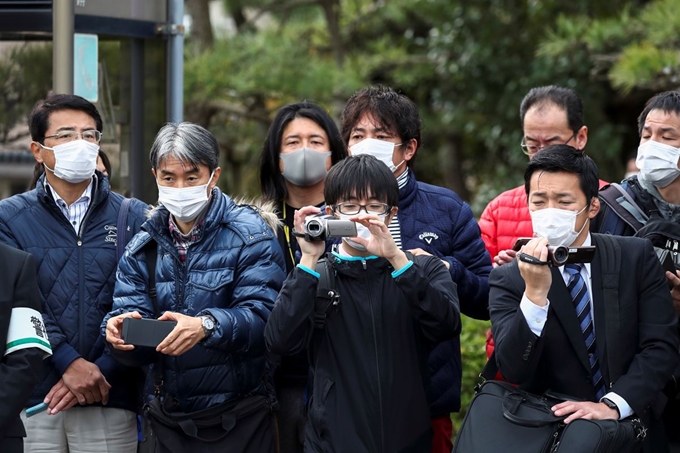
column 473, row 354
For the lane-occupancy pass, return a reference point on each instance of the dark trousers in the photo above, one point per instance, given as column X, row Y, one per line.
column 12, row 444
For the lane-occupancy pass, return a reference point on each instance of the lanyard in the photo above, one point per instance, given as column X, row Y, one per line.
column 286, row 231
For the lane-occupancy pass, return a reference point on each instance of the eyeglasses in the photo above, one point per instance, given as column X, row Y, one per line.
column 68, row 136
column 349, row 208
column 533, row 149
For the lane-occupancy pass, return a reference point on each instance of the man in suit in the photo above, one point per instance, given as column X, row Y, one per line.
column 541, row 341
column 23, row 342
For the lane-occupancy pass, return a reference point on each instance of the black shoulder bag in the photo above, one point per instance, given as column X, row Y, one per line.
column 244, row 424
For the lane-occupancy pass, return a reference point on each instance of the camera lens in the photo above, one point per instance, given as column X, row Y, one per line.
column 560, row 255
column 314, row 228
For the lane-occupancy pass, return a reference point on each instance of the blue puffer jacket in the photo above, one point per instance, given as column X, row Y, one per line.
column 436, row 220
column 234, row 272
column 76, row 275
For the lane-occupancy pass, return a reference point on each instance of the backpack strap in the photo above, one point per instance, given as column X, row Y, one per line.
column 610, row 250
column 327, row 295
column 123, row 230
column 617, row 198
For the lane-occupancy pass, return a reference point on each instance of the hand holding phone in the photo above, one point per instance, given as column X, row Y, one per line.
column 146, row 332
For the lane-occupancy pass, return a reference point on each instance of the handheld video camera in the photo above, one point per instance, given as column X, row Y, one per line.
column 321, row 227
column 559, row 255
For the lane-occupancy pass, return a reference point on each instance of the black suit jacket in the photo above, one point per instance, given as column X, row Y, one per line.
column 19, row 370
column 558, row 360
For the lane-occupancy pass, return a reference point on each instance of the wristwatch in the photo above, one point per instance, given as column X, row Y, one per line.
column 611, row 404
column 208, row 324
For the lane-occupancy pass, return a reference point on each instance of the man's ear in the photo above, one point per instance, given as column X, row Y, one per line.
column 329, row 210
column 35, row 149
column 594, row 207
column 215, row 178
column 391, row 215
column 410, row 149
column 581, row 138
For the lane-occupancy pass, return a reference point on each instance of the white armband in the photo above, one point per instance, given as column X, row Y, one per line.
column 27, row 330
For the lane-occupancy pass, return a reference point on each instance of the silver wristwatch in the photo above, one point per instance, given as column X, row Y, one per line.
column 208, row 324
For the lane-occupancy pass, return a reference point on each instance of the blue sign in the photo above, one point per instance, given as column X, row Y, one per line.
column 86, row 66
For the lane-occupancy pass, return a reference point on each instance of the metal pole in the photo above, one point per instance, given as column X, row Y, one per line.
column 63, row 15
column 176, row 61
column 137, row 154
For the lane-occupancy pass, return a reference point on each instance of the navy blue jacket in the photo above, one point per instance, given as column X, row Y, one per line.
column 436, row 220
column 76, row 274
column 233, row 272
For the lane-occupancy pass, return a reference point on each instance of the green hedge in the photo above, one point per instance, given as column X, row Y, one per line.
column 473, row 354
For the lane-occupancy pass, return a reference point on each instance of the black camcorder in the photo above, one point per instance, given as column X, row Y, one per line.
column 559, row 255
column 321, row 227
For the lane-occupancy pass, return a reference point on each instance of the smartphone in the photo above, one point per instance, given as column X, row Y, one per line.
column 519, row 243
column 38, row 408
column 146, row 332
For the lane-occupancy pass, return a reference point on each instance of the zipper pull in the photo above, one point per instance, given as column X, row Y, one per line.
column 363, row 263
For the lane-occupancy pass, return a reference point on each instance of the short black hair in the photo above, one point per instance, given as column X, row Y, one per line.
column 567, row 159
column 667, row 102
column 39, row 118
column 106, row 162
column 393, row 111
column 361, row 176
column 565, row 99
column 271, row 181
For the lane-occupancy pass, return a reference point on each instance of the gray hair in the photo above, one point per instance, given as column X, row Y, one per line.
column 187, row 142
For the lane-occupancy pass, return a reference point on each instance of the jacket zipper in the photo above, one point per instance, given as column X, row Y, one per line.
column 377, row 363
column 81, row 270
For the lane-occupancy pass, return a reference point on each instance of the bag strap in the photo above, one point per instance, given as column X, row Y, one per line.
column 123, row 230
column 327, row 295
column 490, row 369
column 624, row 206
column 611, row 265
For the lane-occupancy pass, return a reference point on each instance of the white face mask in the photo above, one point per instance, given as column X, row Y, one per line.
column 558, row 226
column 184, row 203
column 380, row 149
column 74, row 161
column 658, row 163
column 362, row 231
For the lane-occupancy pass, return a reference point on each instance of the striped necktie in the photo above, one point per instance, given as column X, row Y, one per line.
column 581, row 298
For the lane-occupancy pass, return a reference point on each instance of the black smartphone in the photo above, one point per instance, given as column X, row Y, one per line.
column 146, row 332
column 519, row 243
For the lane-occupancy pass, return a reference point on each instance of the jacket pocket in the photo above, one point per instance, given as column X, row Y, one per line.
column 318, row 411
column 212, row 280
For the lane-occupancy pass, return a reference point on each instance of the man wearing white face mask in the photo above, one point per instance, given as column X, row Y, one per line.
column 68, row 223
column 552, row 325
column 431, row 221
column 652, row 203
column 217, row 274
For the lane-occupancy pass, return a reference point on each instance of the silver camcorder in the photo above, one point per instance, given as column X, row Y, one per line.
column 321, row 227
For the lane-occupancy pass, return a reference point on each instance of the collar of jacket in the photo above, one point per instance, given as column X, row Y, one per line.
column 407, row 194
column 157, row 224
column 101, row 191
